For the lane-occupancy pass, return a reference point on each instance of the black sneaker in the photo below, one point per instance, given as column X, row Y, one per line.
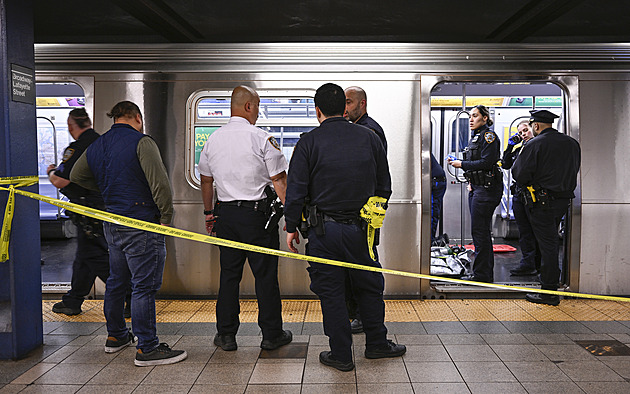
column 390, row 349
column 548, row 299
column 326, row 358
column 161, row 355
column 114, row 345
column 271, row 344
column 226, row 342
column 60, row 307
column 356, row 326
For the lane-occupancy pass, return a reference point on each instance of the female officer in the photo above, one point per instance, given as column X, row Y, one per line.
column 485, row 186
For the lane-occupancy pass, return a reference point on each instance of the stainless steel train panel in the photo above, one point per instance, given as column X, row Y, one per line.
column 605, row 257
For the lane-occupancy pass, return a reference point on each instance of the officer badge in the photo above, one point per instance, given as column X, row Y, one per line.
column 67, row 154
column 274, row 143
column 489, row 137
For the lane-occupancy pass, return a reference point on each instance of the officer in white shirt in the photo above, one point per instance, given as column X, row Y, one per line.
column 242, row 160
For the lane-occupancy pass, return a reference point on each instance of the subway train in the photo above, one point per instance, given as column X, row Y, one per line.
column 419, row 93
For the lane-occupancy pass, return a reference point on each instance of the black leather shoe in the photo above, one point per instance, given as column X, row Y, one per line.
column 475, row 278
column 523, row 272
column 60, row 307
column 390, row 349
column 271, row 344
column 326, row 358
column 226, row 342
column 548, row 299
column 356, row 326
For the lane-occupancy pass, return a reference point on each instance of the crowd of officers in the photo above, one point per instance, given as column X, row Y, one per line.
column 335, row 194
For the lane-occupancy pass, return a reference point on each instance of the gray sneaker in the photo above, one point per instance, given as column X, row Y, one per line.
column 161, row 355
column 113, row 345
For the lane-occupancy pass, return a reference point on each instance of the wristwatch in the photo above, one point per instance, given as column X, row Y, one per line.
column 210, row 212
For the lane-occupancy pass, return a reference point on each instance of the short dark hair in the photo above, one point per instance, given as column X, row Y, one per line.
column 125, row 109
column 80, row 117
column 330, row 99
column 485, row 112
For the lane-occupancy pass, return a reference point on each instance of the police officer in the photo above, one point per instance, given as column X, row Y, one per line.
column 356, row 112
column 486, row 187
column 242, row 161
column 338, row 185
column 438, row 189
column 91, row 259
column 530, row 260
column 547, row 171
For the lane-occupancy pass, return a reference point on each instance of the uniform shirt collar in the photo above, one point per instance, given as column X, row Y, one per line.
column 335, row 119
column 85, row 133
column 239, row 119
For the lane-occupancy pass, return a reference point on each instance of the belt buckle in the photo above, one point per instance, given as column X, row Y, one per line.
column 239, row 203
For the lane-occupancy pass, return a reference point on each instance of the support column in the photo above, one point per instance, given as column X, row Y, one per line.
column 20, row 276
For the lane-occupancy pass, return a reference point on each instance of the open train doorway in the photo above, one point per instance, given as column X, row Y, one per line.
column 508, row 103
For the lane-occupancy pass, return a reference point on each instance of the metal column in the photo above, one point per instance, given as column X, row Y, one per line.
column 20, row 276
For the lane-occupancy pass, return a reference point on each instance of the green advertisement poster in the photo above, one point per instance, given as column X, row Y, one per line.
column 201, row 136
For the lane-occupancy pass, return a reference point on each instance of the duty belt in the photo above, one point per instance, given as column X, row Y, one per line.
column 328, row 218
column 255, row 205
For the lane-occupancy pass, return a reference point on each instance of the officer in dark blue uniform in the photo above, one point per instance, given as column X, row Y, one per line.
column 530, row 260
column 486, row 187
column 339, row 166
column 546, row 172
column 92, row 258
column 438, row 189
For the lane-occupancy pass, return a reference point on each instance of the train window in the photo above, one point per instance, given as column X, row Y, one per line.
column 54, row 101
column 285, row 115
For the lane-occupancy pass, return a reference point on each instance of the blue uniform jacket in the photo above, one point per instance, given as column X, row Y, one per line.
column 371, row 124
column 339, row 165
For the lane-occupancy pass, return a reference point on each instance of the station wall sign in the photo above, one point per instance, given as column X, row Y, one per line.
column 22, row 84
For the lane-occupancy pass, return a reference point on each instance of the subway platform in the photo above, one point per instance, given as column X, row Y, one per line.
column 453, row 346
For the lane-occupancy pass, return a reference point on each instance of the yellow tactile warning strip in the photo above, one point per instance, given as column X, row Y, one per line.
column 173, row 311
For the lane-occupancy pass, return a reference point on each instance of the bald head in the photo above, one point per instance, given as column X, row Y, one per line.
column 244, row 103
column 356, row 103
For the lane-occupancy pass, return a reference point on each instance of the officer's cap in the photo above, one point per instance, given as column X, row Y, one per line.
column 542, row 116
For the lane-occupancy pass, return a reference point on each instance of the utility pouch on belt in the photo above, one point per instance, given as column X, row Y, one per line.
column 315, row 220
column 535, row 197
column 93, row 228
column 373, row 213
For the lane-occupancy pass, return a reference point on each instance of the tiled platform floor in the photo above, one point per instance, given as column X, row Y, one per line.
column 454, row 346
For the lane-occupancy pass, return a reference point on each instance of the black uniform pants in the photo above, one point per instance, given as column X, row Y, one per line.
column 438, row 189
column 91, row 260
column 347, row 242
column 526, row 237
column 243, row 224
column 545, row 223
column 482, row 202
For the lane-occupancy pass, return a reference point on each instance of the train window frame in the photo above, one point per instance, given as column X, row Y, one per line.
column 193, row 121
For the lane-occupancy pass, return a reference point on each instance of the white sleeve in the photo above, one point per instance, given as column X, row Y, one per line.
column 273, row 157
column 204, row 163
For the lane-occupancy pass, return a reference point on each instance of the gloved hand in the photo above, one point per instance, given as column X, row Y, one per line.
column 515, row 139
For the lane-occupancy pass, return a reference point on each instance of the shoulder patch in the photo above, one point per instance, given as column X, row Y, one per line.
column 67, row 154
column 274, row 143
column 489, row 137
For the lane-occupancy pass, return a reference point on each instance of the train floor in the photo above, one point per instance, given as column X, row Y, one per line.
column 453, row 346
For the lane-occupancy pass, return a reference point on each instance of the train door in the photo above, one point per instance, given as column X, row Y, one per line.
column 508, row 103
column 54, row 101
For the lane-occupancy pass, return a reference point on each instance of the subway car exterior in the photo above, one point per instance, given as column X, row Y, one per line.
column 183, row 92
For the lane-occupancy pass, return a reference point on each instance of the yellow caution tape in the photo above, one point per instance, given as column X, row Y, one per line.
column 174, row 232
column 5, row 235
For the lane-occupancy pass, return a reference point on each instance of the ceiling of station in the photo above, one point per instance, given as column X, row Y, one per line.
column 417, row 21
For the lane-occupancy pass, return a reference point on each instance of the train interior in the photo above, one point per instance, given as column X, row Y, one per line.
column 508, row 103
column 286, row 116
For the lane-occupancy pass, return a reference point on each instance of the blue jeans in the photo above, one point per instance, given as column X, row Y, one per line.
column 137, row 255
